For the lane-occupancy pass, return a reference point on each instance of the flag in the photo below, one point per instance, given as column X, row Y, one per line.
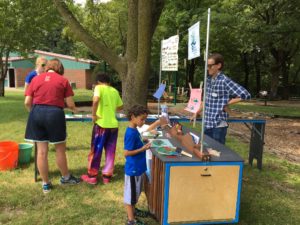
column 159, row 92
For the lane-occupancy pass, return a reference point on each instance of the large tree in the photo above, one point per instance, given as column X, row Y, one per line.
column 133, row 66
column 266, row 30
column 23, row 28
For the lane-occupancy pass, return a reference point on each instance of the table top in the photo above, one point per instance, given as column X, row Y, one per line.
column 227, row 155
column 153, row 117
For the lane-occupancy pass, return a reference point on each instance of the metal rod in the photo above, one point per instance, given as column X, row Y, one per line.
column 205, row 76
column 159, row 79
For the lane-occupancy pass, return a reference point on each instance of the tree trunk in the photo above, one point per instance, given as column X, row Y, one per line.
column 191, row 71
column 246, row 69
column 134, row 90
column 274, row 81
column 2, row 88
column 3, row 71
column 285, row 79
column 134, row 67
column 257, row 72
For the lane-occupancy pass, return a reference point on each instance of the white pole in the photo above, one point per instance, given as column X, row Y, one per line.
column 159, row 79
column 205, row 76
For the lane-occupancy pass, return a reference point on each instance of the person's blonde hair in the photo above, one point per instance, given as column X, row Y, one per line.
column 56, row 65
column 40, row 60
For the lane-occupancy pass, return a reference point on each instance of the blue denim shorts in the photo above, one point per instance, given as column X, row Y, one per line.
column 46, row 124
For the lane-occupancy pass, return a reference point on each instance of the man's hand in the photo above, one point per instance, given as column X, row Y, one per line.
column 226, row 109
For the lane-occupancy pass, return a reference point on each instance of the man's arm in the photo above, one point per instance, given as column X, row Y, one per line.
column 238, row 91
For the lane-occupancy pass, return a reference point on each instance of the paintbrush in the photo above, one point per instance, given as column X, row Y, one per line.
column 181, row 152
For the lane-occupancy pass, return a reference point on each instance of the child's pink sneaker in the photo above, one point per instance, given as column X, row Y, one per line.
column 89, row 180
column 106, row 179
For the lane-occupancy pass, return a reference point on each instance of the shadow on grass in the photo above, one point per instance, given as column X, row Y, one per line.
column 118, row 173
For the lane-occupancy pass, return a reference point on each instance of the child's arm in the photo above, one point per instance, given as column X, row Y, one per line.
column 120, row 108
column 160, row 122
column 94, row 108
column 137, row 151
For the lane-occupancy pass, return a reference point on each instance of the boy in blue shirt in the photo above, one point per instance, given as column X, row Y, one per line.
column 135, row 165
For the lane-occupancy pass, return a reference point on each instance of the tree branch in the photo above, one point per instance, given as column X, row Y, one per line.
column 97, row 47
column 157, row 8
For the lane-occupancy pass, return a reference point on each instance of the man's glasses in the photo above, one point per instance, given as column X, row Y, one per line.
column 211, row 65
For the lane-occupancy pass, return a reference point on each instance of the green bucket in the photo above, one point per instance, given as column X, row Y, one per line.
column 25, row 150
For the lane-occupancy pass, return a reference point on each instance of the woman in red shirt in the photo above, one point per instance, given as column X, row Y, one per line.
column 45, row 100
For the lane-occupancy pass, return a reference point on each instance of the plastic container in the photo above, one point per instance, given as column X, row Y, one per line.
column 164, row 112
column 9, row 152
column 25, row 151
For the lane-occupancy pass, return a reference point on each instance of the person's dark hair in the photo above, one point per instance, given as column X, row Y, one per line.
column 56, row 65
column 218, row 58
column 137, row 110
column 103, row 78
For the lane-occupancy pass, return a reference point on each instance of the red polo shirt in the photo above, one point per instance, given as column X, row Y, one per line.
column 49, row 88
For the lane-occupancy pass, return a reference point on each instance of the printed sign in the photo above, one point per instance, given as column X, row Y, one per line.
column 194, row 41
column 195, row 101
column 169, row 55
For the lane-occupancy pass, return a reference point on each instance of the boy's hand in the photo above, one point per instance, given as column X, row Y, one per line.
column 145, row 140
column 146, row 146
column 153, row 131
column 95, row 118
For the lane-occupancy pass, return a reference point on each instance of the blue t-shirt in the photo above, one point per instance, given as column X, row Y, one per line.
column 30, row 76
column 135, row 165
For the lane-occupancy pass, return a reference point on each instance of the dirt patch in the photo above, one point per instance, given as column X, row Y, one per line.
column 282, row 137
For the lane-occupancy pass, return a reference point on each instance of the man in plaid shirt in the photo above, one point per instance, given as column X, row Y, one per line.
column 221, row 92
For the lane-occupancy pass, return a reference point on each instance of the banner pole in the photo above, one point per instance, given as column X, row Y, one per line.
column 159, row 79
column 205, row 76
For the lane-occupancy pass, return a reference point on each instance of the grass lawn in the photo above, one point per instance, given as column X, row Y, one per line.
column 290, row 111
column 270, row 196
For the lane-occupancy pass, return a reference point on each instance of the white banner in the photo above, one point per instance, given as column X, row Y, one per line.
column 194, row 41
column 169, row 55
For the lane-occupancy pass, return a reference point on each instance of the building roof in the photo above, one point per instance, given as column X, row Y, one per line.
column 72, row 58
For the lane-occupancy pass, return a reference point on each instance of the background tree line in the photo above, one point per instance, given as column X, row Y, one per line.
column 259, row 39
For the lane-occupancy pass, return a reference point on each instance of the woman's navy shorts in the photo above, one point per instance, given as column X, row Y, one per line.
column 46, row 124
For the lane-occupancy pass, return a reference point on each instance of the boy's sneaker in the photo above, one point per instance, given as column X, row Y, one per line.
column 141, row 213
column 106, row 179
column 89, row 180
column 135, row 222
column 71, row 180
column 47, row 188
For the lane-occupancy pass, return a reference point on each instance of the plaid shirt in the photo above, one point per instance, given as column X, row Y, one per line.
column 218, row 93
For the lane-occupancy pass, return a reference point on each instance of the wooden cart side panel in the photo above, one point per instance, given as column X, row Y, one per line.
column 203, row 193
column 154, row 189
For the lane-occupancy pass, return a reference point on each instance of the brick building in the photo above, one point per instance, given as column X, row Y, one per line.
column 78, row 71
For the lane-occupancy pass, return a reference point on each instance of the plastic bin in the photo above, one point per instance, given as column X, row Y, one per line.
column 9, row 152
column 25, row 151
